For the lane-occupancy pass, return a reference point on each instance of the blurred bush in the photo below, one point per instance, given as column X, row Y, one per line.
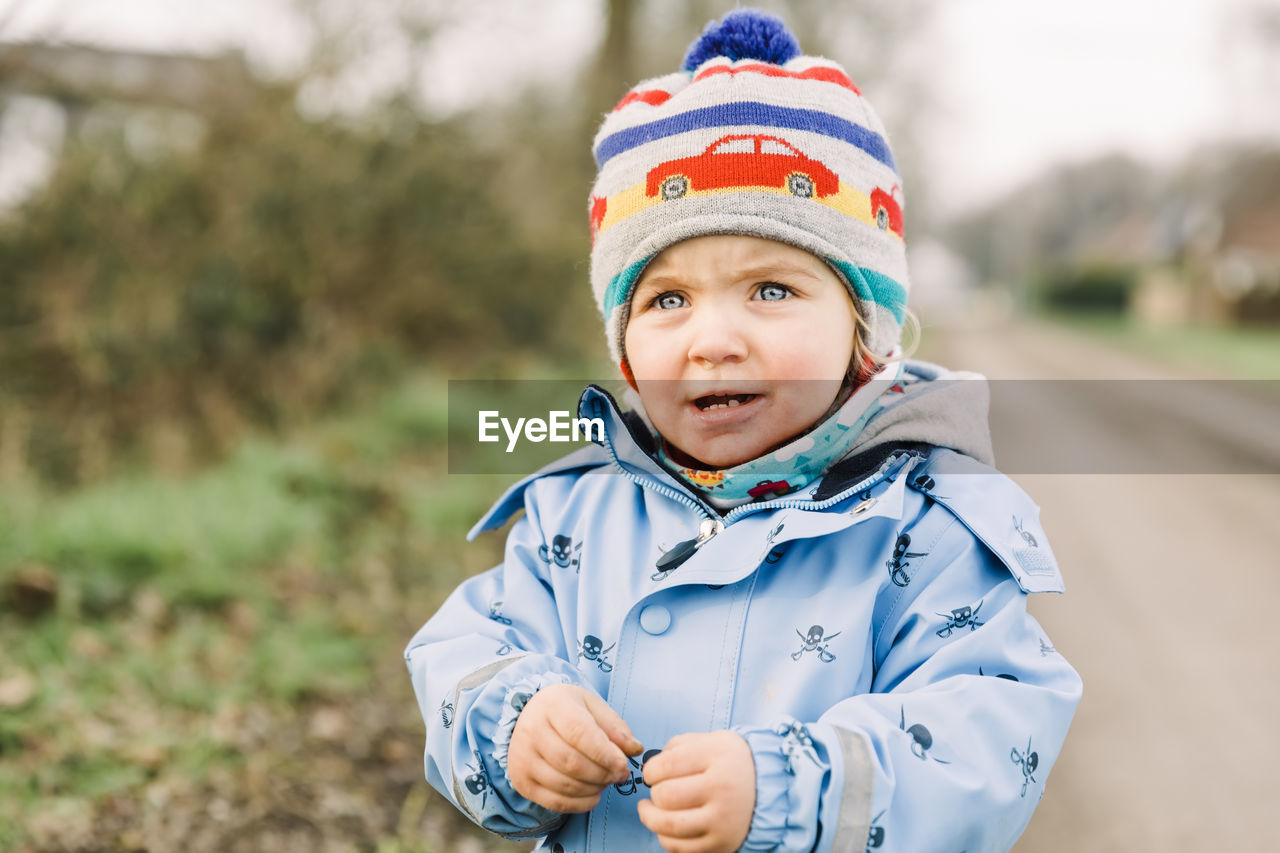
column 155, row 302
column 1087, row 289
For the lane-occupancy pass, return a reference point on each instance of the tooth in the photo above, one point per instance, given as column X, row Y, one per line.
column 733, row 402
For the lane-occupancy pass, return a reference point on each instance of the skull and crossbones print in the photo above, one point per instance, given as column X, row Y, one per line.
column 1026, row 537
column 900, row 559
column 477, row 782
column 1028, row 761
column 875, row 834
column 633, row 784
column 592, row 648
column 563, row 552
column 961, row 617
column 815, row 641
column 495, row 613
column 796, row 743
column 921, row 738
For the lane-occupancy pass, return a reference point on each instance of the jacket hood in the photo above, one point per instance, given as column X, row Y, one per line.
column 937, row 406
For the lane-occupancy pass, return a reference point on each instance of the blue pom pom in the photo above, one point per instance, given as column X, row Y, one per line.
column 744, row 34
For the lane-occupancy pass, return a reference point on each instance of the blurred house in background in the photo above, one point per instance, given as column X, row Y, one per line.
column 1198, row 244
column 76, row 76
column 1241, row 268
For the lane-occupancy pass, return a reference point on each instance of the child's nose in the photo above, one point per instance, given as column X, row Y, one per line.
column 716, row 340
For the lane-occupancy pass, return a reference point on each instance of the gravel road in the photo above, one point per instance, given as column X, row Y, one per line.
column 1172, row 612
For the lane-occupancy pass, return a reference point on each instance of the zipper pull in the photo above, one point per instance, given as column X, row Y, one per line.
column 709, row 527
column 682, row 551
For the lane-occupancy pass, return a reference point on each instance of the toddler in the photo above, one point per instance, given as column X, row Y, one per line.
column 782, row 605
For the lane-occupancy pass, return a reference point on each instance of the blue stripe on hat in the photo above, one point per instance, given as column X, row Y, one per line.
column 746, row 113
column 872, row 286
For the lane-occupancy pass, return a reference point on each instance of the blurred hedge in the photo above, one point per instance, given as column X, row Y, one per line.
column 1086, row 289
column 156, row 300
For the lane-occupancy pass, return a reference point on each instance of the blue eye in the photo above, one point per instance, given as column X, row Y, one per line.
column 668, row 300
column 772, row 292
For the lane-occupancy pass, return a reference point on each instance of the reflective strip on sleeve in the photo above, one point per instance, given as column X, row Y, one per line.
column 854, row 822
column 474, row 679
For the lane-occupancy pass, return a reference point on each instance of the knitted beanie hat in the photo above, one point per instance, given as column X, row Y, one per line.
column 749, row 138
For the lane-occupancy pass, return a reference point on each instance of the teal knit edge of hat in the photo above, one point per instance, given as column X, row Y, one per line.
column 866, row 284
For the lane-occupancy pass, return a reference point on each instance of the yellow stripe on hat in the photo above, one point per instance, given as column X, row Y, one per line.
column 849, row 200
column 629, row 201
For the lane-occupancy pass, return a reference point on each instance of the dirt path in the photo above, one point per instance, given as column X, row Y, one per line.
column 1173, row 598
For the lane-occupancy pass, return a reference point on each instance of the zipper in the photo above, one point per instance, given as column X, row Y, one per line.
column 712, row 524
column 708, row 527
column 662, row 489
column 749, row 509
column 682, row 551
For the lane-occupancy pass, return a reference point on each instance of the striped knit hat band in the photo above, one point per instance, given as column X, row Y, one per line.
column 752, row 139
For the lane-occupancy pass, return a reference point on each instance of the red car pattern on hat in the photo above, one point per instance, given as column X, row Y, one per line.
column 598, row 207
column 743, row 160
column 886, row 210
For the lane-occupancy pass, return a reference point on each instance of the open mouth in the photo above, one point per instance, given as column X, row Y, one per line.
column 723, row 401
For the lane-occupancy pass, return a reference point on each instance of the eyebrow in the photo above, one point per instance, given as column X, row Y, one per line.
column 770, row 269
column 759, row 271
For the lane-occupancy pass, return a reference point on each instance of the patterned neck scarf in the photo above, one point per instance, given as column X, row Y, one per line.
column 798, row 462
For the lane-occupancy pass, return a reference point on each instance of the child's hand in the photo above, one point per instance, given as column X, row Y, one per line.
column 567, row 747
column 702, row 793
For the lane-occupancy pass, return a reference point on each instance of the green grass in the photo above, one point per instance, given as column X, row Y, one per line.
column 195, row 539
column 1228, row 352
column 288, row 574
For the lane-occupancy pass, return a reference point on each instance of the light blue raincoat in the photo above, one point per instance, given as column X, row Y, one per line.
column 868, row 637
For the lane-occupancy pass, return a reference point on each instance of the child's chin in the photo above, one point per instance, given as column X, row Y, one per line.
column 716, row 458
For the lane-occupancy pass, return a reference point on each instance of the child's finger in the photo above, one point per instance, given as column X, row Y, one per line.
column 675, row 761
column 573, row 763
column 614, row 726
column 550, row 778
column 686, row 792
column 560, row 803
column 577, row 728
column 682, row 823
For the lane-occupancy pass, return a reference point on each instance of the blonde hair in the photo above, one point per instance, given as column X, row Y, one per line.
column 863, row 363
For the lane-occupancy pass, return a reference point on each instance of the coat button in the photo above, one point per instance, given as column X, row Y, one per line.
column 655, row 619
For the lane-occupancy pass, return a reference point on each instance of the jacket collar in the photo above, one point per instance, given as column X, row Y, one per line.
column 628, row 443
column 627, row 438
column 851, row 470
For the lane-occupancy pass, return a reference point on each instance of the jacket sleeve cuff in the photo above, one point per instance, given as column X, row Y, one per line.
column 517, row 696
column 491, row 799
column 790, row 773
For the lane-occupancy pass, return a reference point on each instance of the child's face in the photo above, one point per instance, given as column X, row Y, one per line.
column 737, row 344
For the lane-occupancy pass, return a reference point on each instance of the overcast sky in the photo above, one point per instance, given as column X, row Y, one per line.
column 1023, row 85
